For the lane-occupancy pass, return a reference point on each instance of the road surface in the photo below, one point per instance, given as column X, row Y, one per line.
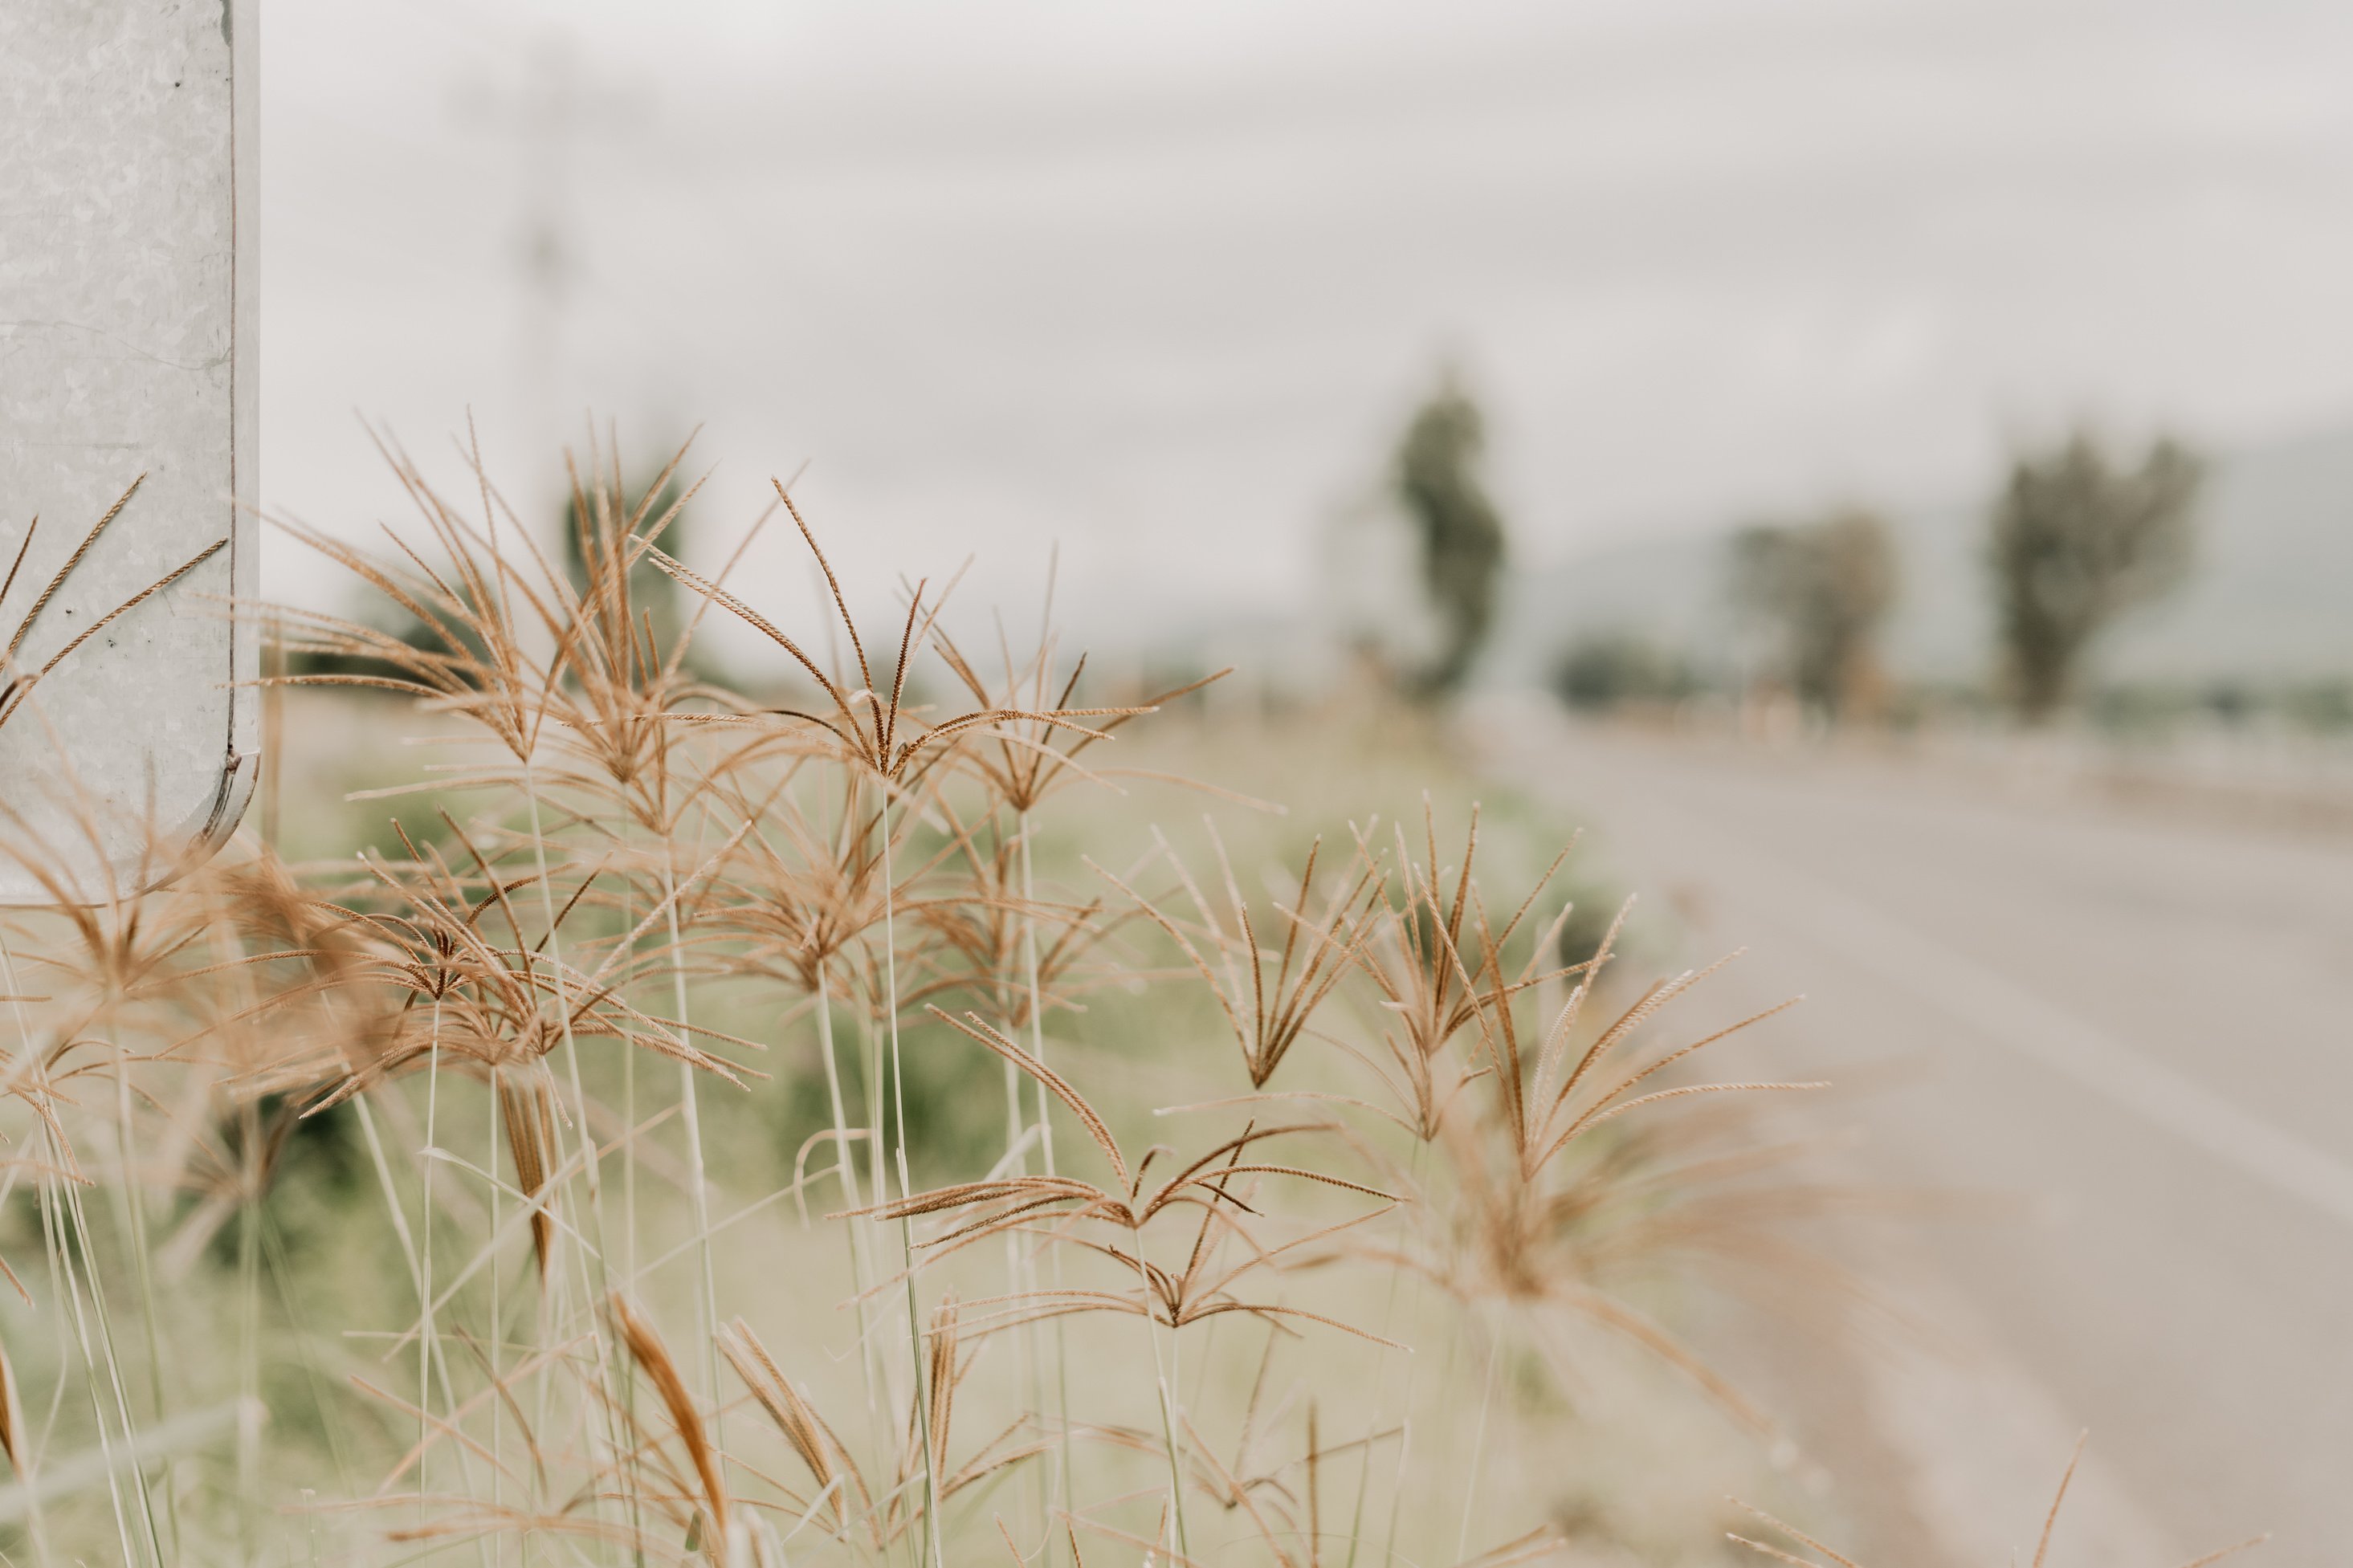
column 2142, row 1024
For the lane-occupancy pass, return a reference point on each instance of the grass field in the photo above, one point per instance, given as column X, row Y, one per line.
column 939, row 1111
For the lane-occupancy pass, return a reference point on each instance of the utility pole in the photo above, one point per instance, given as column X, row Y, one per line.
column 550, row 116
column 548, row 254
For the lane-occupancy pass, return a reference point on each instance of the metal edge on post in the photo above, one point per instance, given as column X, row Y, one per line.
column 244, row 412
column 213, row 826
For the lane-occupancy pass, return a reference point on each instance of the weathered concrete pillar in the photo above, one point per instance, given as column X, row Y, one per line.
column 129, row 288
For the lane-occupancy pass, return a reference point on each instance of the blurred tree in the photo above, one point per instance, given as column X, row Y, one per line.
column 2325, row 704
column 1823, row 588
column 1602, row 671
column 1460, row 531
column 2077, row 539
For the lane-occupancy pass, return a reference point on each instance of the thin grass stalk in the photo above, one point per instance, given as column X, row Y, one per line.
column 281, row 1275
column 626, row 1370
column 248, row 1381
column 1417, row 1311
column 877, row 1182
column 1046, row 1157
column 1396, row 1486
column 629, row 1100
column 430, row 1355
column 498, row 1319
column 427, row 1336
column 36, row 1523
column 48, row 1235
column 134, row 1213
column 61, row 1266
column 81, row 1232
column 846, row 1172
column 689, row 1108
column 1364, row 1462
column 932, row 1530
column 1389, row 1324
column 845, row 1168
column 589, row 1162
column 878, row 1424
column 63, row 1285
column 1478, row 1445
column 406, row 1237
column 1164, row 1375
column 68, row 1203
column 871, row 1064
column 1018, row 1277
column 1450, row 1424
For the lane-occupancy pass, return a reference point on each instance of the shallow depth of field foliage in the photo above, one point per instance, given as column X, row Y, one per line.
column 1821, row 591
column 887, row 1120
column 2078, row 538
column 1458, row 531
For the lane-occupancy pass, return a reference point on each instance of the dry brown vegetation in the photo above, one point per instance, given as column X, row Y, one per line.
column 469, row 1194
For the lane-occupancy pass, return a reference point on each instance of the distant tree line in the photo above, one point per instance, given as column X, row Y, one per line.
column 1822, row 589
column 2077, row 537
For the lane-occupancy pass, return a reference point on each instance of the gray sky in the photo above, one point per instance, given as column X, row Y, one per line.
column 1159, row 283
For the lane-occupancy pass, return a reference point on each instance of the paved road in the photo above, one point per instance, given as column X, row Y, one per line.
column 2145, row 1025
